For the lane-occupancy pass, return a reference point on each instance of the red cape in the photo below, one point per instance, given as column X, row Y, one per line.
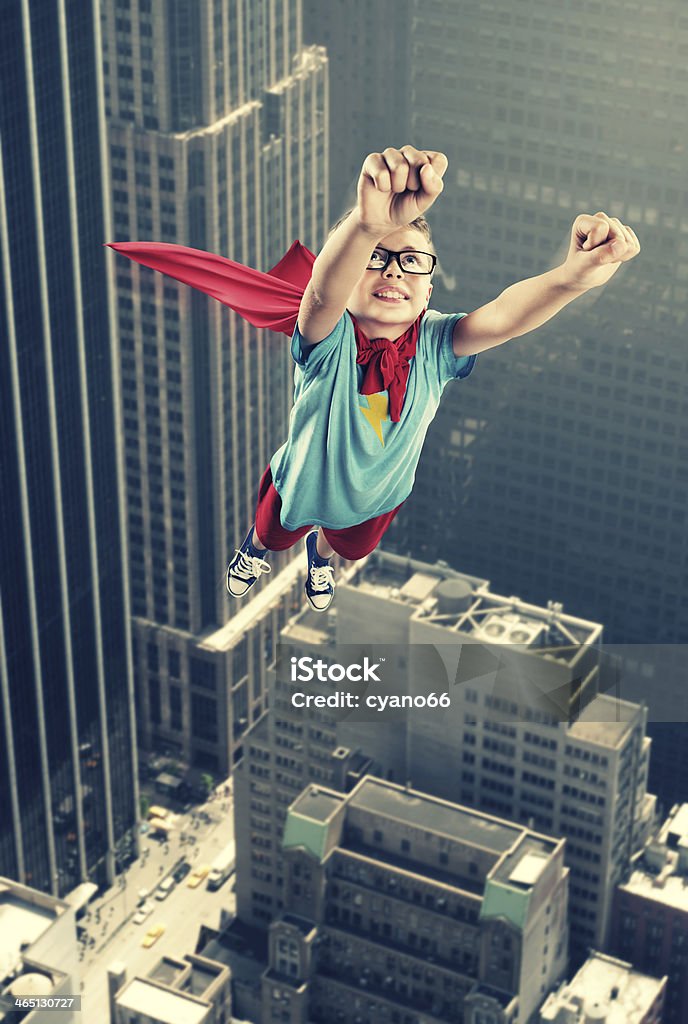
column 272, row 300
column 269, row 300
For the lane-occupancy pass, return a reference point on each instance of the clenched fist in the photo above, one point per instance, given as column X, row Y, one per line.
column 599, row 245
column 397, row 186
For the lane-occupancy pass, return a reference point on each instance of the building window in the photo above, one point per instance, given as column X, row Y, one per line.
column 203, row 674
column 174, row 664
column 204, row 717
column 152, row 652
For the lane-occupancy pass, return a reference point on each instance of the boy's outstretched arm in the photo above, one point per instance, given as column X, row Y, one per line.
column 394, row 188
column 599, row 245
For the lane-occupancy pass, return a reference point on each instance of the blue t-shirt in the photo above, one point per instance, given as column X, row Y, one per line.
column 344, row 461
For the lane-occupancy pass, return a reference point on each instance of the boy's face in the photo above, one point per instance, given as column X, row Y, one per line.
column 386, row 302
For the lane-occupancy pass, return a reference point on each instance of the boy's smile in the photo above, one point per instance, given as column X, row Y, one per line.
column 391, row 295
column 386, row 302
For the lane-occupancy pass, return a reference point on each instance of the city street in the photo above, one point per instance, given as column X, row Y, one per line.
column 109, row 922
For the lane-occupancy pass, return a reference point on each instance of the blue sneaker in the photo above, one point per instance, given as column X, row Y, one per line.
column 245, row 568
column 320, row 579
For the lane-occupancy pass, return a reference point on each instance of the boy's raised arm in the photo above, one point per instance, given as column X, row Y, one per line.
column 338, row 267
column 394, row 188
column 599, row 244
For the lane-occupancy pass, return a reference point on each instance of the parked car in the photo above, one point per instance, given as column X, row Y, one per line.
column 152, row 935
column 165, row 888
column 198, row 875
column 156, row 811
column 144, row 912
column 181, row 871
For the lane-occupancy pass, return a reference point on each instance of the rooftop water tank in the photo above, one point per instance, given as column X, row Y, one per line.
column 453, row 597
column 595, row 1013
column 31, row 985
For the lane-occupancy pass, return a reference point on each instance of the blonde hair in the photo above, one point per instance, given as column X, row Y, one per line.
column 419, row 224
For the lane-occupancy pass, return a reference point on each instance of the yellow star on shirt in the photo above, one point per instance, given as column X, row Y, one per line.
column 377, row 411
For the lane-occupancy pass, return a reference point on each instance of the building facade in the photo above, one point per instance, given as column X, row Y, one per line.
column 220, row 145
column 68, row 802
column 565, row 459
column 567, row 451
column 400, row 906
column 202, row 693
column 650, row 926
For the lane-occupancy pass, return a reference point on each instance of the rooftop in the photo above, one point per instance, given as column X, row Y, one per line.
column 503, row 998
column 433, row 815
column 608, row 986
column 24, row 916
column 243, row 949
column 404, row 580
column 317, row 804
column 303, row 924
column 224, row 639
column 548, row 660
column 161, row 1004
column 675, row 828
column 605, row 721
column 660, row 872
column 167, row 970
column 308, row 628
column 200, row 977
column 523, row 866
column 235, row 114
column 464, row 605
column 352, row 848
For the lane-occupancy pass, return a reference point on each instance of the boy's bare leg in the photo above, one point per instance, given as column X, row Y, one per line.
column 256, row 541
column 322, row 547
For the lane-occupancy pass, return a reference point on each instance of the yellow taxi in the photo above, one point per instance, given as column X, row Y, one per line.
column 156, row 811
column 197, row 876
column 152, row 935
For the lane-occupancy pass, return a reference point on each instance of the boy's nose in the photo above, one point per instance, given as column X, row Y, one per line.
column 389, row 269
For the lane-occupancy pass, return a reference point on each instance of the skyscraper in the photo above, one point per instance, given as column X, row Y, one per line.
column 67, row 782
column 565, row 460
column 219, row 144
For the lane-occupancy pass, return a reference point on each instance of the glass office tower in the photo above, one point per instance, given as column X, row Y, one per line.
column 67, row 780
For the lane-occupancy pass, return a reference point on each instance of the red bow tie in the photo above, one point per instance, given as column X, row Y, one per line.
column 387, row 364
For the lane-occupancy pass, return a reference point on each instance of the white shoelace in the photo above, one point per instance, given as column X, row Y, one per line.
column 322, row 577
column 250, row 565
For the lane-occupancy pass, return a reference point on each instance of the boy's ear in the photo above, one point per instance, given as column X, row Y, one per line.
column 429, row 293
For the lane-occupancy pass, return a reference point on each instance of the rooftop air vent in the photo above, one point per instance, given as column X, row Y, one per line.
column 510, row 628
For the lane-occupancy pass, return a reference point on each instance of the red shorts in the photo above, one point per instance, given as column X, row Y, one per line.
column 351, row 543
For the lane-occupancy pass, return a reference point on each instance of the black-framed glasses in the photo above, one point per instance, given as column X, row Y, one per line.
column 410, row 261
